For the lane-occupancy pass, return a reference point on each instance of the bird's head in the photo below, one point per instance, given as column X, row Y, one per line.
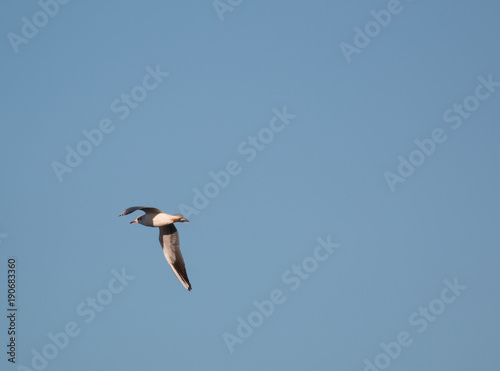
column 138, row 220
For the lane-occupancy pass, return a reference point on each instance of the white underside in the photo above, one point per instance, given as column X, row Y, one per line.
column 157, row 220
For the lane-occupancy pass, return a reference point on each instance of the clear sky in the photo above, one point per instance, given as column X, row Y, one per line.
column 338, row 161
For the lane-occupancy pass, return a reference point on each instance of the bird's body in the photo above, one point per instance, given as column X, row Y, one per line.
column 169, row 237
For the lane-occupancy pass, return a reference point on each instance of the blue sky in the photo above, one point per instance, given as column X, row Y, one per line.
column 338, row 162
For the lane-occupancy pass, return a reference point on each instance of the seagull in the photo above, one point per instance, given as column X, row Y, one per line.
column 169, row 238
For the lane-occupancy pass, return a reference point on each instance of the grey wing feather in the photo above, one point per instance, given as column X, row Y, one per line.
column 143, row 208
column 169, row 240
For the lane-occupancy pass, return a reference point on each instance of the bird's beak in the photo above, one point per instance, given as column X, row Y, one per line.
column 133, row 221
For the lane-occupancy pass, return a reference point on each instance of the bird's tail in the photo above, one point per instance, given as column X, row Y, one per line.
column 182, row 218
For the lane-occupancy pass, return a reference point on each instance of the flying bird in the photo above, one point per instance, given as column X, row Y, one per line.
column 169, row 237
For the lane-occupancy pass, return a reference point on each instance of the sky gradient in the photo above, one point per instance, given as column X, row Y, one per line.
column 338, row 163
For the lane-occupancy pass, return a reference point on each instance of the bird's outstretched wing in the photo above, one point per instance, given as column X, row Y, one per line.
column 169, row 240
column 143, row 208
